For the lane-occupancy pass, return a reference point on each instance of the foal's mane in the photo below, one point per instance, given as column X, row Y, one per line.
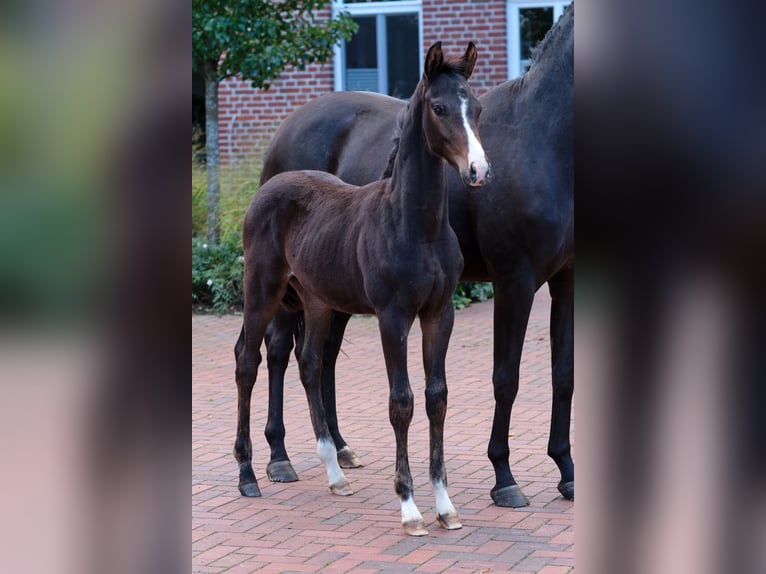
column 452, row 66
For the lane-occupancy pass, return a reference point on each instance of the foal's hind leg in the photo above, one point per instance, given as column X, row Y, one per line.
column 279, row 344
column 436, row 335
column 562, row 358
column 394, row 328
column 264, row 289
column 347, row 458
column 317, row 323
column 246, row 371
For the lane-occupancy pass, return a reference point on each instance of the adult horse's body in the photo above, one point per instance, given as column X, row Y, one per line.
column 519, row 234
column 386, row 248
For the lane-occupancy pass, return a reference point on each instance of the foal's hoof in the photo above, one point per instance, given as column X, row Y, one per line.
column 449, row 521
column 249, row 489
column 347, row 458
column 342, row 489
column 567, row 489
column 281, row 471
column 414, row 528
column 510, row 496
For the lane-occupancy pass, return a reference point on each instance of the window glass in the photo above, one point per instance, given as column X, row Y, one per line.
column 403, row 54
column 533, row 24
column 361, row 57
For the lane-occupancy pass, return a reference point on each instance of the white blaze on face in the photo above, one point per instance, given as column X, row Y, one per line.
column 476, row 156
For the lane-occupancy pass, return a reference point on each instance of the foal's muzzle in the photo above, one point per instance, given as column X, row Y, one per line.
column 478, row 173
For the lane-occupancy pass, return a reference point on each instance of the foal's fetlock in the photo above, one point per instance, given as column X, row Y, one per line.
column 248, row 485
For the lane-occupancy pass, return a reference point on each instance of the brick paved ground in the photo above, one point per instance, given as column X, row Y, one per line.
column 301, row 527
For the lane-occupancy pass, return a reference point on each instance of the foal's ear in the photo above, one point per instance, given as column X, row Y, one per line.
column 469, row 60
column 434, row 60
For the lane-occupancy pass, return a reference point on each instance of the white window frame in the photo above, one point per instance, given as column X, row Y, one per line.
column 379, row 9
column 513, row 24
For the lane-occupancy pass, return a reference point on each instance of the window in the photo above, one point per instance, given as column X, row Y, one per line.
column 527, row 24
column 384, row 55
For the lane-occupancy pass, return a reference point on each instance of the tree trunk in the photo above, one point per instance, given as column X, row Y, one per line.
column 212, row 153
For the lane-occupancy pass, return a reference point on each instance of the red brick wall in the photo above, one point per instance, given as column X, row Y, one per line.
column 456, row 22
column 248, row 117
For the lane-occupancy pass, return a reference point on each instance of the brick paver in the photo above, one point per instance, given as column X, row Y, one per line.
column 302, row 527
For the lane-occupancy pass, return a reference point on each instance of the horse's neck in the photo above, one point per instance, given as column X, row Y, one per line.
column 550, row 80
column 418, row 182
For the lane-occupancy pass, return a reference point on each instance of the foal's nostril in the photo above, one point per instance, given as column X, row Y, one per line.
column 473, row 173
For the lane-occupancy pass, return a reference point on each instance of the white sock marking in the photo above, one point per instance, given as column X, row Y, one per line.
column 327, row 454
column 410, row 511
column 443, row 503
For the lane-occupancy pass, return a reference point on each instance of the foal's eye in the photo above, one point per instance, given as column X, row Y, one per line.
column 438, row 110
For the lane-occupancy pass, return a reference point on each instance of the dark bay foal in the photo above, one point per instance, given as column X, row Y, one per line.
column 315, row 242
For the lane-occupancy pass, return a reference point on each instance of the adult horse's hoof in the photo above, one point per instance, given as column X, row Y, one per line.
column 281, row 471
column 567, row 489
column 342, row 489
column 414, row 528
column 347, row 458
column 449, row 521
column 249, row 489
column 510, row 496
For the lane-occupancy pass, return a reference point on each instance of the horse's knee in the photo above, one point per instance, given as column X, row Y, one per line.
column 401, row 403
column 436, row 399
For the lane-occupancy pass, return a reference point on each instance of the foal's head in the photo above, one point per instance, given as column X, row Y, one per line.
column 451, row 114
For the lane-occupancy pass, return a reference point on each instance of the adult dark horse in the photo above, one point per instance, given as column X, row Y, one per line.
column 386, row 248
column 519, row 234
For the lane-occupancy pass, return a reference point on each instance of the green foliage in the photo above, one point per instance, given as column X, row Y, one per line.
column 260, row 38
column 217, row 272
column 469, row 291
column 238, row 186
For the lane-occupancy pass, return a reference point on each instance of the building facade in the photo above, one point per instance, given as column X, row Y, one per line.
column 386, row 56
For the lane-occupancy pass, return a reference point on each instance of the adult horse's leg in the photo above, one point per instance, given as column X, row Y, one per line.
column 513, row 302
column 436, row 333
column 279, row 344
column 347, row 458
column 394, row 328
column 561, row 287
column 317, row 323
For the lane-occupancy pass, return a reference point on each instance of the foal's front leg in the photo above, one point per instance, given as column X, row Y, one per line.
column 394, row 328
column 436, row 334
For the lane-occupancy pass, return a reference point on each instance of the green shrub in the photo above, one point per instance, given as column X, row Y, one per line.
column 469, row 291
column 217, row 272
column 238, row 186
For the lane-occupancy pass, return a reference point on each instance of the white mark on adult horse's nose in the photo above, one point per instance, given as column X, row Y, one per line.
column 477, row 159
